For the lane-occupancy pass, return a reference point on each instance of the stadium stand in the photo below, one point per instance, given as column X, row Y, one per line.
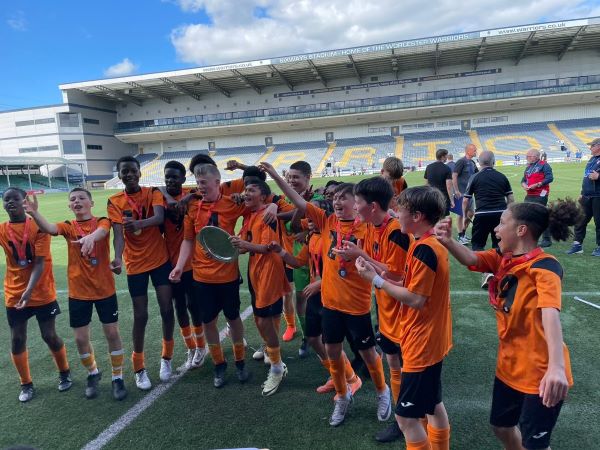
column 415, row 149
column 363, row 152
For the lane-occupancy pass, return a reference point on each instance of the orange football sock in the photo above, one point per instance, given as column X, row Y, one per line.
column 290, row 320
column 116, row 361
column 216, row 353
column 188, row 337
column 348, row 370
column 239, row 351
column 274, row 355
column 377, row 374
column 395, row 382
column 89, row 362
column 327, row 364
column 138, row 361
column 423, row 445
column 21, row 362
column 338, row 375
column 199, row 336
column 424, row 423
column 60, row 359
column 439, row 438
column 167, row 349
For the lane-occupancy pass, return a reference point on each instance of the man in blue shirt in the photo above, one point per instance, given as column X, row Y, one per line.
column 590, row 200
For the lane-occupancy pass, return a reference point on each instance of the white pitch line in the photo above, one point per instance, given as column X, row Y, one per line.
column 133, row 413
column 579, row 299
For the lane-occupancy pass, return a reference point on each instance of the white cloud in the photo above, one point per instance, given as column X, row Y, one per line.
column 121, row 69
column 255, row 29
column 17, row 21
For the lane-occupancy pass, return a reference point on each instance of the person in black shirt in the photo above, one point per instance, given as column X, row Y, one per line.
column 439, row 175
column 590, row 200
column 492, row 192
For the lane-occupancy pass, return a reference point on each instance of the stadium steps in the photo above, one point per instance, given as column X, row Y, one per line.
column 326, row 156
column 560, row 136
column 474, row 136
column 265, row 155
column 399, row 150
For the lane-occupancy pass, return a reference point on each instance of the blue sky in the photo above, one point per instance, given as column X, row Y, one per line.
column 45, row 43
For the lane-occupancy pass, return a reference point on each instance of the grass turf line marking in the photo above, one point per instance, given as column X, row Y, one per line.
column 130, row 415
column 579, row 299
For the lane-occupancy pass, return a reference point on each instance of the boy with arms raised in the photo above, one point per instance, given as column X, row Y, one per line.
column 216, row 284
column 91, row 284
column 29, row 290
column 386, row 248
column 423, row 324
column 346, row 297
column 136, row 214
column 266, row 277
column 533, row 370
column 182, row 291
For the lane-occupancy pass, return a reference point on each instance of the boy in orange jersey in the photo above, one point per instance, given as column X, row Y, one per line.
column 91, row 284
column 392, row 170
column 346, row 297
column 216, row 284
column 533, row 370
column 385, row 247
column 311, row 255
column 266, row 277
column 423, row 323
column 29, row 290
column 182, row 291
column 136, row 214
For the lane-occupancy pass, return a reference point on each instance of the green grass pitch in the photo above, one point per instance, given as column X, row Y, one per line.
column 194, row 414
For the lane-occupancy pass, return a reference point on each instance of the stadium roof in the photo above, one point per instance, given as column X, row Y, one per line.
column 35, row 161
column 475, row 47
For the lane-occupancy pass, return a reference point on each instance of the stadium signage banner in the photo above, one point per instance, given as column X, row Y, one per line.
column 538, row 27
column 389, row 83
column 376, row 48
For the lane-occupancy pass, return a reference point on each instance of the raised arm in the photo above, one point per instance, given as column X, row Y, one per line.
column 443, row 232
column 31, row 208
column 290, row 193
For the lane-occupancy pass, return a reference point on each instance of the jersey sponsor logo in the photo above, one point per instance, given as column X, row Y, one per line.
column 406, row 404
column 540, row 435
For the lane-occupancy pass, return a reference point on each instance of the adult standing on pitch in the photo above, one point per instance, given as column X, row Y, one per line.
column 439, row 175
column 590, row 200
column 536, row 182
column 464, row 169
column 492, row 193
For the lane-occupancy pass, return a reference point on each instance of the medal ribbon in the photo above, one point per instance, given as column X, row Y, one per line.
column 248, row 222
column 347, row 236
column 22, row 246
column 197, row 222
column 137, row 208
column 316, row 258
column 81, row 233
column 380, row 229
column 507, row 263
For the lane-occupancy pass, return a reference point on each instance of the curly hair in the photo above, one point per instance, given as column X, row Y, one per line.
column 558, row 217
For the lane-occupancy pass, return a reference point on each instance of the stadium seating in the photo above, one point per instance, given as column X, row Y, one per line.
column 355, row 154
column 416, row 148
